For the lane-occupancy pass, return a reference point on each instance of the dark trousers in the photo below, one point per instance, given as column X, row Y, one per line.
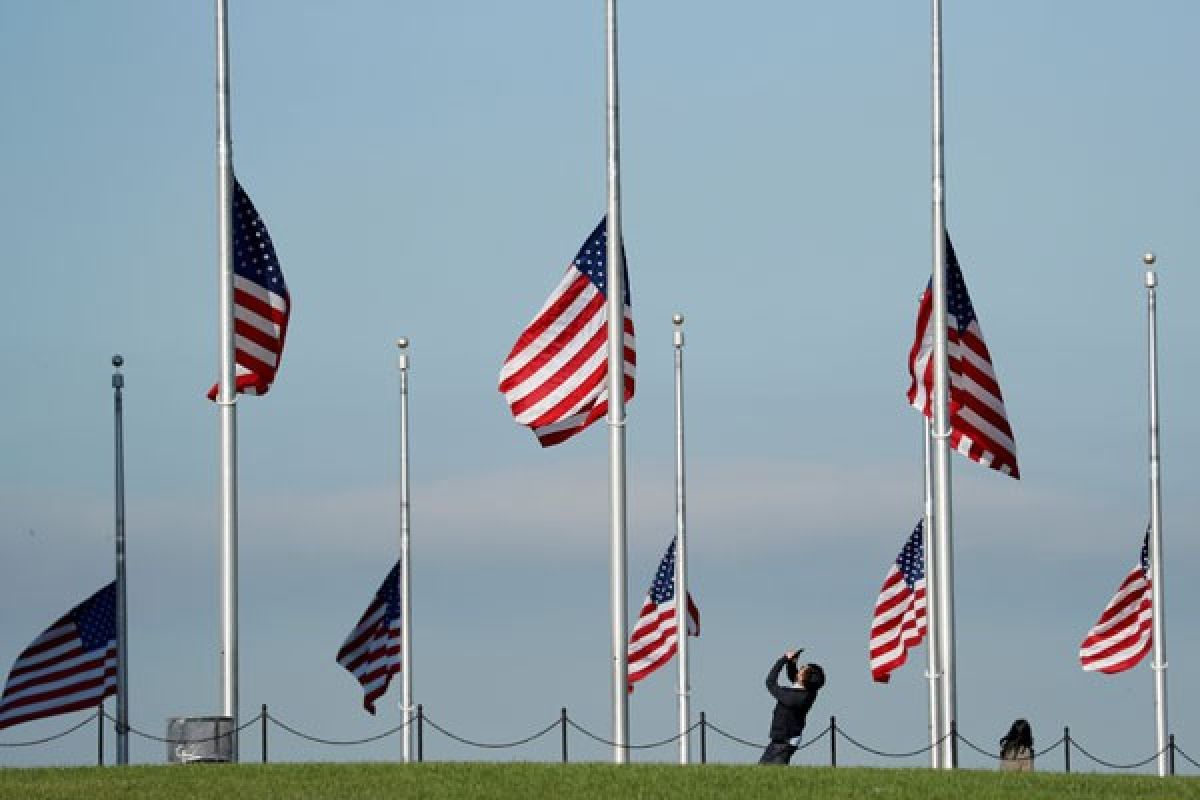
column 778, row 754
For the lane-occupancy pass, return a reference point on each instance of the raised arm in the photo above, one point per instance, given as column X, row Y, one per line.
column 773, row 680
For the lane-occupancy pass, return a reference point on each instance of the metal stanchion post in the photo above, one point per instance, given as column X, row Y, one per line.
column 703, row 738
column 1066, row 749
column 1171, row 755
column 263, row 718
column 420, row 732
column 833, row 741
column 100, row 735
column 564, row 734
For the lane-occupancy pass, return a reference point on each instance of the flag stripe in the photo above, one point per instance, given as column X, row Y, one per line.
column 900, row 618
column 655, row 636
column 1124, row 633
column 69, row 666
column 372, row 652
column 261, row 302
column 555, row 378
column 979, row 427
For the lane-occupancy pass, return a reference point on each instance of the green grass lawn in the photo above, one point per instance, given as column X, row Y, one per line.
column 472, row 780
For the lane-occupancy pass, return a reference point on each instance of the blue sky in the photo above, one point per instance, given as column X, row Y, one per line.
column 427, row 170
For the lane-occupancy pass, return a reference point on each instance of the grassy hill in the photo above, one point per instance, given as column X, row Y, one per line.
column 473, row 780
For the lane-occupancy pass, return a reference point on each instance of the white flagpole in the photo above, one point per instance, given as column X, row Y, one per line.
column 615, row 284
column 118, row 383
column 943, row 527
column 226, row 388
column 933, row 672
column 681, row 582
column 406, row 701
column 1159, row 666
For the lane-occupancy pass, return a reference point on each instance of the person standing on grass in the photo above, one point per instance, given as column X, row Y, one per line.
column 791, row 706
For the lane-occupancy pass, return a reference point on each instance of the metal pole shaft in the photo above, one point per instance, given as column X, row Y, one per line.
column 420, row 733
column 933, row 672
column 616, row 408
column 681, row 574
column 941, row 420
column 1159, row 665
column 563, row 727
column 1066, row 749
column 405, row 561
column 265, row 718
column 226, row 388
column 833, row 741
column 118, row 384
column 100, row 734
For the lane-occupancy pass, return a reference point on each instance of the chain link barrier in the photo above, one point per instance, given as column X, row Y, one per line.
column 977, row 748
column 1110, row 765
column 190, row 740
column 340, row 742
column 758, row 746
column 604, row 741
column 67, row 732
column 491, row 745
column 1046, row 750
column 1186, row 757
column 883, row 754
column 101, row 715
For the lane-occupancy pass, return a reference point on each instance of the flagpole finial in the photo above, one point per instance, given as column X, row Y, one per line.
column 118, row 361
column 1151, row 277
column 1148, row 259
column 402, row 342
column 677, row 318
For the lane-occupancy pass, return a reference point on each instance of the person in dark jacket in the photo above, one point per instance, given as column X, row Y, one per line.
column 791, row 706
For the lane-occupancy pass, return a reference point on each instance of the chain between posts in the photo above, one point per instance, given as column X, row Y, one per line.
column 612, row 744
column 1104, row 763
column 191, row 739
column 759, row 746
column 493, row 746
column 1186, row 757
column 563, row 722
column 68, row 731
column 875, row 752
column 341, row 742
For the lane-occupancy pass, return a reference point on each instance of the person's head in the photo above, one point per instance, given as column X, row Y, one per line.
column 807, row 676
column 1019, row 734
column 812, row 677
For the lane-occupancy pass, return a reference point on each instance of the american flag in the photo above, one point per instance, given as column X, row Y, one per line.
column 72, row 665
column 900, row 612
column 978, row 422
column 654, row 639
column 261, row 303
column 372, row 651
column 555, row 379
column 1123, row 634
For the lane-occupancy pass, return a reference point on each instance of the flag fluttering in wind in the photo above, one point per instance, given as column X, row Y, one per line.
column 979, row 426
column 655, row 636
column 1124, row 633
column 261, row 303
column 72, row 665
column 372, row 651
column 900, row 621
column 555, row 379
